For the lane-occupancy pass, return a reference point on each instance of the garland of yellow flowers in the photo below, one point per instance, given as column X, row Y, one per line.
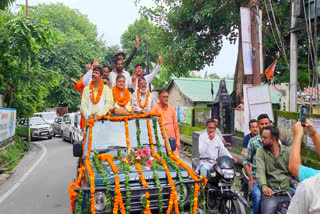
column 146, row 101
column 121, row 100
column 127, row 134
column 118, row 198
column 97, row 99
column 145, row 185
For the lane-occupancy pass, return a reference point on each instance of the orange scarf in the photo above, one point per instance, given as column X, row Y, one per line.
column 146, row 101
column 121, row 100
column 97, row 99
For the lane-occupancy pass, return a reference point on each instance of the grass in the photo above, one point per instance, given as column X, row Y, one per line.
column 187, row 129
column 9, row 159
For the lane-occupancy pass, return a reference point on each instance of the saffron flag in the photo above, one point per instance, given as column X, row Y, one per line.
column 270, row 70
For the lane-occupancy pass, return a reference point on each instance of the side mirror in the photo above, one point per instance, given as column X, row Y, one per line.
column 68, row 122
column 77, row 149
column 173, row 143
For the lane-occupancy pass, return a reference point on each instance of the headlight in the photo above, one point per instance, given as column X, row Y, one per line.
column 185, row 191
column 34, row 129
column 100, row 200
column 228, row 173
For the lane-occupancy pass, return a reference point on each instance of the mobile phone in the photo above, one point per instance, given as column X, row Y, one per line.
column 303, row 115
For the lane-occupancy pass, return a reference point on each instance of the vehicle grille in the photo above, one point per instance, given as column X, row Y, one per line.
column 43, row 129
column 136, row 198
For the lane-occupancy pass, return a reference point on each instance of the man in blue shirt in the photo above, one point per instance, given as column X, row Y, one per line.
column 254, row 130
column 295, row 167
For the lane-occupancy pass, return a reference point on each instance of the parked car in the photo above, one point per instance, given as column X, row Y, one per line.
column 38, row 127
column 56, row 126
column 70, row 127
column 48, row 117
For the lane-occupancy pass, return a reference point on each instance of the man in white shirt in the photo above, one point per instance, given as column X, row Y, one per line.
column 142, row 99
column 210, row 148
column 96, row 98
column 137, row 74
column 119, row 70
column 87, row 78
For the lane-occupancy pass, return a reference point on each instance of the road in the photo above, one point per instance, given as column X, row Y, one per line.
column 45, row 189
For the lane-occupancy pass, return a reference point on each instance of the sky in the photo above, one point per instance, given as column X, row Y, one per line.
column 112, row 19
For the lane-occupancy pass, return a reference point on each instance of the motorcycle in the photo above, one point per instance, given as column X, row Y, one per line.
column 220, row 196
column 287, row 196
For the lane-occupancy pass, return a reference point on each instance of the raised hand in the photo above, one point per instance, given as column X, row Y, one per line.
column 160, row 58
column 73, row 80
column 137, row 41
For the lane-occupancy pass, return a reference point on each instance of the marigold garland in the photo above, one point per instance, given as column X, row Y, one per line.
column 118, row 200
column 109, row 159
column 97, row 99
column 146, row 101
column 121, row 100
column 127, row 135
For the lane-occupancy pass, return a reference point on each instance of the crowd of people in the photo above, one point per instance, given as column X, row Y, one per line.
column 112, row 88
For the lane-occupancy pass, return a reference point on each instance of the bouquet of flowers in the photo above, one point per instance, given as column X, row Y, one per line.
column 141, row 156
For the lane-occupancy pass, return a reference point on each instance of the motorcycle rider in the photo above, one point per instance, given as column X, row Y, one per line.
column 272, row 169
column 210, row 148
column 249, row 163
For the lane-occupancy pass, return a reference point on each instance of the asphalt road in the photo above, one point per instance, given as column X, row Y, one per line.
column 45, row 189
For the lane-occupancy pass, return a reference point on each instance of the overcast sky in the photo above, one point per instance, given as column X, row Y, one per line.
column 112, row 19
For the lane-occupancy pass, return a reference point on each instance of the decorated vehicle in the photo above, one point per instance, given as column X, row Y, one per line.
column 126, row 165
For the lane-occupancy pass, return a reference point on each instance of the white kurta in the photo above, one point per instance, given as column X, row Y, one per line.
column 135, row 104
column 113, row 75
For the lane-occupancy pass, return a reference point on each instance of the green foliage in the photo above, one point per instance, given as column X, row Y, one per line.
column 187, row 129
column 23, row 81
column 138, row 133
column 4, row 4
column 9, row 158
column 154, row 168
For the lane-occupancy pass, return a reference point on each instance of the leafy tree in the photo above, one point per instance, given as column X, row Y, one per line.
column 22, row 80
column 4, row 4
column 79, row 45
column 214, row 76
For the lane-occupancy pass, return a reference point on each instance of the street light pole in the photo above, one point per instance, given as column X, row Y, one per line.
column 27, row 8
column 293, row 61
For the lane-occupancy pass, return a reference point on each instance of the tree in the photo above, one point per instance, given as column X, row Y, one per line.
column 22, row 80
column 214, row 76
column 79, row 45
column 4, row 4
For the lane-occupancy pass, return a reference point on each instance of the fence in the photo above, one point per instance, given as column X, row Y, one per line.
column 7, row 124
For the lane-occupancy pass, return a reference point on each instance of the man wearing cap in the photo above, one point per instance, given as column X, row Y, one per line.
column 137, row 74
column 122, row 55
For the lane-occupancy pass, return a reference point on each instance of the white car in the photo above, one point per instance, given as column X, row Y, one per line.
column 47, row 116
column 70, row 127
column 38, row 127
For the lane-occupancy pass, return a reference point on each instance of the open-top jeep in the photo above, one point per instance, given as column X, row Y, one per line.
column 126, row 165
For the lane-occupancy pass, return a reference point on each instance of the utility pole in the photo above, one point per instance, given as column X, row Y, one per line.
column 316, row 50
column 27, row 8
column 255, row 25
column 293, row 61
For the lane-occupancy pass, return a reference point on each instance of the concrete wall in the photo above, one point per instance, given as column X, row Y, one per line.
column 177, row 99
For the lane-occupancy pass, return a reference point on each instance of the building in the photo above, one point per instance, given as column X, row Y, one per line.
column 194, row 92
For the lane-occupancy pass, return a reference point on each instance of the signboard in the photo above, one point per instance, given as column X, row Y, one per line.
column 246, row 40
column 184, row 114
column 7, row 123
column 316, row 123
column 256, row 101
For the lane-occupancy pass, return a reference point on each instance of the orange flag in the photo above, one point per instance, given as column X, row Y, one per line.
column 270, row 70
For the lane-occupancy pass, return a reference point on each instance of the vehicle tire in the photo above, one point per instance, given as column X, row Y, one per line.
column 229, row 206
column 50, row 136
column 53, row 134
column 62, row 136
column 71, row 139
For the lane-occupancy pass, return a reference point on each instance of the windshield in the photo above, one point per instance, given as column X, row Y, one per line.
column 36, row 121
column 109, row 133
column 49, row 116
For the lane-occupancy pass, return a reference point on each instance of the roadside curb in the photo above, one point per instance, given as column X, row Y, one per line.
column 4, row 177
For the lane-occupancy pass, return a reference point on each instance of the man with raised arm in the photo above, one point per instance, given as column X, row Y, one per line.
column 137, row 73
column 96, row 98
column 122, row 55
column 117, row 71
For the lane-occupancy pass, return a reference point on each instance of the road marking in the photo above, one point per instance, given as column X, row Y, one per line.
column 24, row 177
